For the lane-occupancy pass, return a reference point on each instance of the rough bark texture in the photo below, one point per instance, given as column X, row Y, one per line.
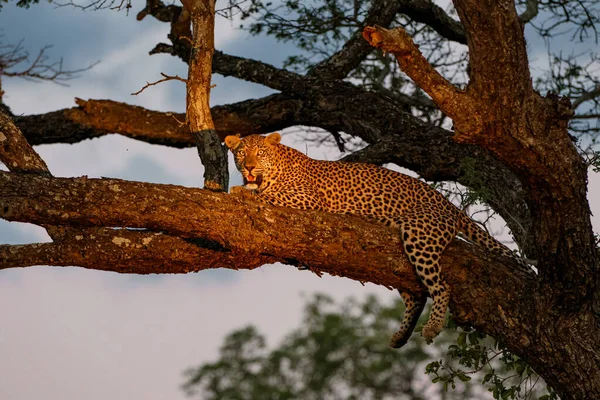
column 95, row 118
column 15, row 152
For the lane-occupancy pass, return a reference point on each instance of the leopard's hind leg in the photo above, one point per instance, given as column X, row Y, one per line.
column 426, row 231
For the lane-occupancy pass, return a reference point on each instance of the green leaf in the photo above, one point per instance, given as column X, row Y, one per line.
column 463, row 377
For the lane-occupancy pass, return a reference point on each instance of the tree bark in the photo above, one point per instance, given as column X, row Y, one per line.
column 211, row 152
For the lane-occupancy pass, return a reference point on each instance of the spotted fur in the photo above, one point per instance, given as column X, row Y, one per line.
column 426, row 220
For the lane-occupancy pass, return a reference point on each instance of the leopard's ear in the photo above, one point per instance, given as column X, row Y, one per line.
column 232, row 141
column 273, row 138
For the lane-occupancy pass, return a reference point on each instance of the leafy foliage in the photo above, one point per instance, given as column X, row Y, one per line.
column 339, row 352
column 505, row 375
column 21, row 3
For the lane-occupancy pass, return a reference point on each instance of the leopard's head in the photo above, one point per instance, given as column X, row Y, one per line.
column 255, row 157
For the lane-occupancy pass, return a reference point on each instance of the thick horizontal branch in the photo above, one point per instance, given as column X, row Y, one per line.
column 95, row 118
column 350, row 246
column 229, row 222
column 220, row 230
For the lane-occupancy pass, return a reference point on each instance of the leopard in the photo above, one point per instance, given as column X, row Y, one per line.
column 425, row 220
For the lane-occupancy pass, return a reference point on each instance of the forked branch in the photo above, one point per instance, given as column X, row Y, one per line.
column 452, row 101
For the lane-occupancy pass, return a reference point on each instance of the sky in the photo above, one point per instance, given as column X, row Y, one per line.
column 71, row 333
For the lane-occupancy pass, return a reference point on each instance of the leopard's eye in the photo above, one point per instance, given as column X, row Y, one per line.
column 241, row 153
column 260, row 152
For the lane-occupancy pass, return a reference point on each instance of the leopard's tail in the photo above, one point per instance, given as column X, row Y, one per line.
column 475, row 234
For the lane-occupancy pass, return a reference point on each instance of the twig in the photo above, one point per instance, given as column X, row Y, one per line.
column 180, row 124
column 39, row 69
column 166, row 78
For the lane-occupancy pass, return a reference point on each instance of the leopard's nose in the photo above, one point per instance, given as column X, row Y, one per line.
column 249, row 168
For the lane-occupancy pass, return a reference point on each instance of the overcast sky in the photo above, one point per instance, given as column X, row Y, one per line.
column 70, row 333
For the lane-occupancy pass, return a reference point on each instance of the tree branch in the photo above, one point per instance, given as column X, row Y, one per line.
column 19, row 156
column 212, row 231
column 354, row 51
column 128, row 252
column 214, row 217
column 592, row 94
column 95, row 118
column 40, row 69
column 259, row 72
column 453, row 102
column 425, row 11
column 15, row 152
column 530, row 12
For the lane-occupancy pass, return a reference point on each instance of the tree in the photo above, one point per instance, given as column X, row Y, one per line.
column 338, row 352
column 523, row 153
